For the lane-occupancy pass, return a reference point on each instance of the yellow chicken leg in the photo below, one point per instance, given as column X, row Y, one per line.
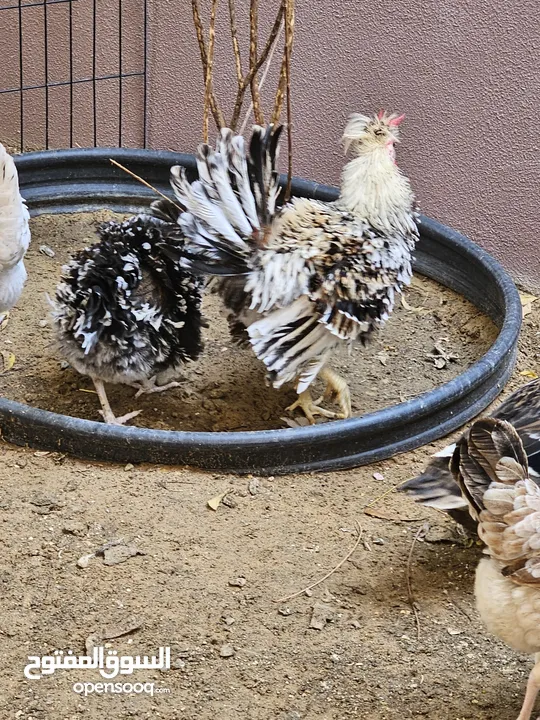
column 533, row 686
column 337, row 390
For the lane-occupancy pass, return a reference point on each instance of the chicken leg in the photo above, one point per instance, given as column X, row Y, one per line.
column 106, row 410
column 149, row 386
column 533, row 686
column 337, row 390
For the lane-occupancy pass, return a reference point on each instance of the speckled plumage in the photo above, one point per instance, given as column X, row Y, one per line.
column 124, row 311
column 314, row 274
column 14, row 233
column 436, row 486
column 490, row 466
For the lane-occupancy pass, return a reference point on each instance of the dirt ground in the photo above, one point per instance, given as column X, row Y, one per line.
column 209, row 583
column 397, row 365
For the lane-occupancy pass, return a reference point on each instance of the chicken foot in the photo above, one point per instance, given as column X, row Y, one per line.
column 533, row 686
column 106, row 411
column 310, row 407
column 149, row 386
column 336, row 390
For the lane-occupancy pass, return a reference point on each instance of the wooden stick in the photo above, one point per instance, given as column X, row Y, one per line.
column 289, row 34
column 253, row 32
column 216, row 111
column 253, row 71
column 263, row 78
column 360, row 532
column 236, row 46
column 209, row 69
column 137, row 177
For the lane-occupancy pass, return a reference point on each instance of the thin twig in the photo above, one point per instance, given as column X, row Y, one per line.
column 158, row 192
column 209, row 69
column 412, row 601
column 216, row 112
column 360, row 532
column 253, row 71
column 281, row 89
column 236, row 46
column 253, row 32
column 289, row 34
column 263, row 78
column 387, row 492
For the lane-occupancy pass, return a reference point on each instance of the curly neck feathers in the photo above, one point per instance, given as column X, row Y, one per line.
column 373, row 187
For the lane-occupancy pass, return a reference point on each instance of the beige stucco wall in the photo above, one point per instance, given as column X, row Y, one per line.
column 466, row 74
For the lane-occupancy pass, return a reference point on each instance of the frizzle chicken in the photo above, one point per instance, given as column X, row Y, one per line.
column 14, row 234
column 125, row 312
column 490, row 466
column 308, row 276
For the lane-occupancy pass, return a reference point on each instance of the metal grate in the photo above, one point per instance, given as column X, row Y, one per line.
column 70, row 69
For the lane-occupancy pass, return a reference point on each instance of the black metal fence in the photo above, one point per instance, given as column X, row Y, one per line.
column 73, row 73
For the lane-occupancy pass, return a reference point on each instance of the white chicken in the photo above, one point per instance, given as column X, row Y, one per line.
column 490, row 465
column 14, row 234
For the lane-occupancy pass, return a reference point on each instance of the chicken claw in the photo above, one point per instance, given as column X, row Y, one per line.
column 310, row 407
column 150, row 387
column 337, row 390
column 106, row 411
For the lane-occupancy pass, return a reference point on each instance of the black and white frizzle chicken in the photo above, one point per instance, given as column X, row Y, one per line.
column 436, row 486
column 125, row 312
column 14, row 234
column 310, row 275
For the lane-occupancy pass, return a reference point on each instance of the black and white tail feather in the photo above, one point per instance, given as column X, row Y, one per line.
column 228, row 208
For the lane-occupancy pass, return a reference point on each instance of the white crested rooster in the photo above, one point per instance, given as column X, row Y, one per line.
column 307, row 276
column 14, row 234
column 490, row 465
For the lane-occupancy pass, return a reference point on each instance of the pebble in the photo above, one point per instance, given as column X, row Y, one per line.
column 238, row 582
column 226, row 651
column 378, row 541
column 129, row 467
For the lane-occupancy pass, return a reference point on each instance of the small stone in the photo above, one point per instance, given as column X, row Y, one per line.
column 46, row 250
column 238, row 582
column 378, row 476
column 43, row 323
column 378, row 541
column 229, row 501
column 254, row 486
column 453, row 631
column 229, row 621
column 226, row 651
column 178, row 664
column 64, row 365
column 129, row 467
column 84, row 561
column 285, row 611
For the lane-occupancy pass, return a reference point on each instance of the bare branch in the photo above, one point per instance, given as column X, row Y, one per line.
column 209, row 69
column 253, row 71
column 253, row 32
column 216, row 112
column 289, row 34
column 263, row 78
column 236, row 46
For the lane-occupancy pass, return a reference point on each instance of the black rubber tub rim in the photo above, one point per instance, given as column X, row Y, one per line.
column 84, row 180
